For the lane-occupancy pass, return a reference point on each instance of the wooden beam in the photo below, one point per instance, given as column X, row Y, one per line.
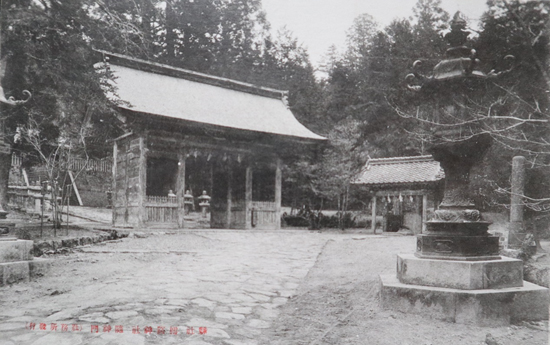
column 121, row 137
column 424, row 211
column 25, row 176
column 180, row 188
column 229, row 195
column 373, row 214
column 406, row 192
column 113, row 190
column 142, row 184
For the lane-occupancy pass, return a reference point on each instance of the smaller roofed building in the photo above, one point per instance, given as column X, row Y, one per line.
column 401, row 190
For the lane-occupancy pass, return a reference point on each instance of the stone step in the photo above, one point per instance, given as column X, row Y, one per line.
column 22, row 271
column 487, row 307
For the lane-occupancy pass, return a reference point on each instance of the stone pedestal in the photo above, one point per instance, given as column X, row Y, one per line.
column 465, row 275
column 16, row 260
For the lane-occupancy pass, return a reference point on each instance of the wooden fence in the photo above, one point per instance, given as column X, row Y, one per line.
column 162, row 209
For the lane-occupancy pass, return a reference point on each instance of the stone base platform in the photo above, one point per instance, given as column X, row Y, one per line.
column 15, row 250
column 464, row 275
column 14, row 272
column 487, row 307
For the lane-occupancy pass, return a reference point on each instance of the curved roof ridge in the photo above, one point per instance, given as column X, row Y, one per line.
column 400, row 170
column 405, row 159
column 178, row 72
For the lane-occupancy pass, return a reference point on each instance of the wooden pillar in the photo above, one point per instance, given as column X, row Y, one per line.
column 248, row 198
column 142, row 184
column 114, row 192
column 229, row 195
column 424, row 211
column 278, row 192
column 180, row 188
column 126, row 186
column 373, row 214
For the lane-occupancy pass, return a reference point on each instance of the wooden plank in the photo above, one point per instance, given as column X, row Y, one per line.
column 248, row 198
column 142, row 180
column 424, row 211
column 229, row 196
column 73, row 182
column 25, row 176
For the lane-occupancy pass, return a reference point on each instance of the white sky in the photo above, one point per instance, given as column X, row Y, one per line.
column 318, row 24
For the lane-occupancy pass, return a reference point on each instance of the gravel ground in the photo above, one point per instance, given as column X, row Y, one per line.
column 338, row 303
column 275, row 287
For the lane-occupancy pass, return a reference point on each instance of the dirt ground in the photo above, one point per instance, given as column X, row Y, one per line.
column 338, row 303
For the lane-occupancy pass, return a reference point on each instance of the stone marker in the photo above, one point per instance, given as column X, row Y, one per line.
column 516, row 234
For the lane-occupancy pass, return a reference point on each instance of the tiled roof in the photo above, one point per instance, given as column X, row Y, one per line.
column 163, row 90
column 400, row 170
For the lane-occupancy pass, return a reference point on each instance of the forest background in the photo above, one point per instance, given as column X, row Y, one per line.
column 361, row 101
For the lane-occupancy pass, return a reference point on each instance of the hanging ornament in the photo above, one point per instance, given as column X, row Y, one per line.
column 389, row 199
column 400, row 198
column 239, row 158
column 411, row 198
column 208, row 158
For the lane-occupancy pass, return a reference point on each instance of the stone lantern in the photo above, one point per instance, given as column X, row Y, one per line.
column 188, row 202
column 204, row 203
column 5, row 147
column 457, row 273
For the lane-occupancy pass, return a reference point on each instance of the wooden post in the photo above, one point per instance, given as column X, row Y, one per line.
column 248, row 198
column 142, row 184
column 373, row 214
column 278, row 191
column 180, row 188
column 424, row 211
column 114, row 190
column 229, row 195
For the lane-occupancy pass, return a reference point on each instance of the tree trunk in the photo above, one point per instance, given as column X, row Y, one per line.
column 5, row 165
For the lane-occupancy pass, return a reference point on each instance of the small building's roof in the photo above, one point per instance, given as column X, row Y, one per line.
column 400, row 170
column 177, row 93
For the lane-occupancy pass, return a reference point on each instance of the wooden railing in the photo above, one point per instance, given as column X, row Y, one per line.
column 264, row 213
column 28, row 199
column 161, row 209
column 102, row 165
column 16, row 160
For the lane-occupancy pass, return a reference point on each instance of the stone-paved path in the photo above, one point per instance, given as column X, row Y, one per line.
column 229, row 283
